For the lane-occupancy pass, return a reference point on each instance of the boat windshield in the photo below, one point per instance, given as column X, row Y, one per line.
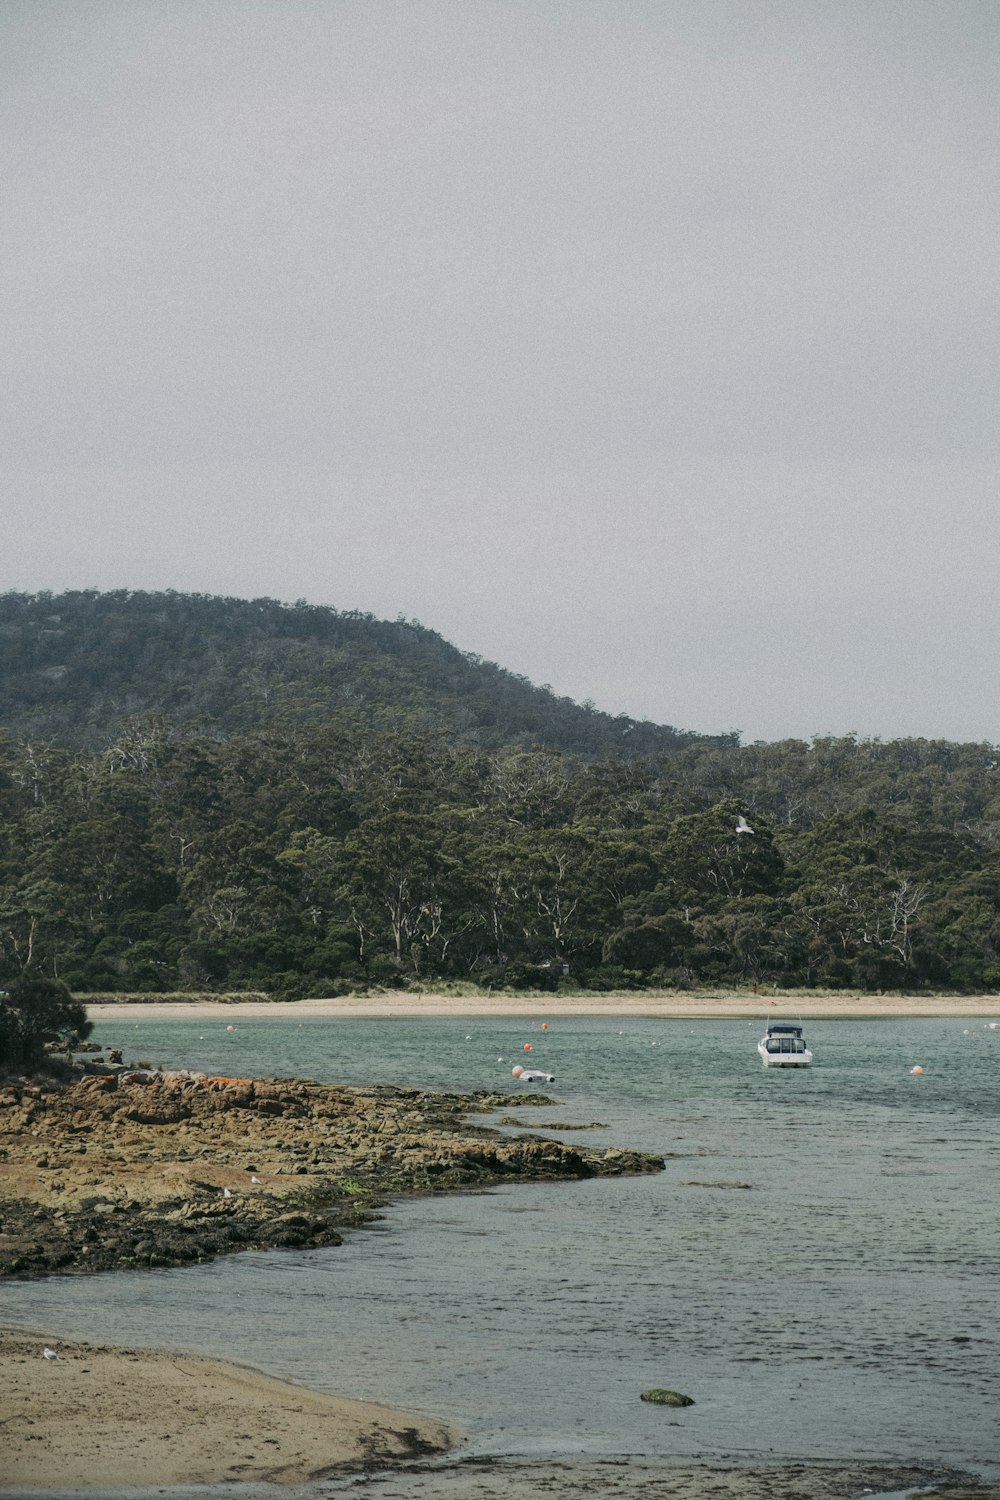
column 785, row 1044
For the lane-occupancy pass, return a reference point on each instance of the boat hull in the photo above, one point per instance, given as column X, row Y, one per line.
column 784, row 1059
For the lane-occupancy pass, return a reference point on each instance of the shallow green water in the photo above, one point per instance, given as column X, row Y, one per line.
column 842, row 1305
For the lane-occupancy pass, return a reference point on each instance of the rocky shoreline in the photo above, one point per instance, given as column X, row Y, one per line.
column 130, row 1168
column 127, row 1168
column 623, row 1478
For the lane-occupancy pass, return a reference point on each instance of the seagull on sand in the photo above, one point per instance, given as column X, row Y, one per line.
column 742, row 826
column 49, row 1353
column 226, row 1193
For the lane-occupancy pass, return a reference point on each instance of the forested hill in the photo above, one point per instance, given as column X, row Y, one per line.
column 75, row 667
column 201, row 793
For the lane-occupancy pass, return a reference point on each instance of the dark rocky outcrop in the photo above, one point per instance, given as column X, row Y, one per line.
column 145, row 1169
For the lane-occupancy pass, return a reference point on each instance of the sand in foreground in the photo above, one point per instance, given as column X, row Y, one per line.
column 102, row 1418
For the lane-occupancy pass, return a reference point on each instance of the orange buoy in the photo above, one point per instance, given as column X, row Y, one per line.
column 516, row 1072
column 527, row 1046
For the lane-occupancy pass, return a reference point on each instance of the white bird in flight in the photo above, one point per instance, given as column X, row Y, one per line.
column 49, row 1353
column 742, row 826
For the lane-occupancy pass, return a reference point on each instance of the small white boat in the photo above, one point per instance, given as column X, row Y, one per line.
column 783, row 1046
column 533, row 1075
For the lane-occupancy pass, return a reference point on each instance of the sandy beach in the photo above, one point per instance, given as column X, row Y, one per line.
column 100, row 1418
column 534, row 1007
column 97, row 1417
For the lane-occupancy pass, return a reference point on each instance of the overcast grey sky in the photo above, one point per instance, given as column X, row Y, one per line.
column 648, row 349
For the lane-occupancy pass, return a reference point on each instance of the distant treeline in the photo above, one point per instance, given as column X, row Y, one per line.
column 319, row 857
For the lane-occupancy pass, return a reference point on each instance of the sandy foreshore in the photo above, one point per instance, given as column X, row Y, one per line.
column 467, row 1007
column 102, row 1418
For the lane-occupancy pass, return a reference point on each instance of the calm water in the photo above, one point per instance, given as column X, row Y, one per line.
column 844, row 1305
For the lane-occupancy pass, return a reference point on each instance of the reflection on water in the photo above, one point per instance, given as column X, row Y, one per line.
column 841, row 1305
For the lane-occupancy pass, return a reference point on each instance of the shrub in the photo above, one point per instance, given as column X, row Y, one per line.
column 36, row 1013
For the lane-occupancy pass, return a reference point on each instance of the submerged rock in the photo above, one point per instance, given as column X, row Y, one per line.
column 657, row 1397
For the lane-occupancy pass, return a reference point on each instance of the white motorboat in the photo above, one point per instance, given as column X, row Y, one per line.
column 783, row 1046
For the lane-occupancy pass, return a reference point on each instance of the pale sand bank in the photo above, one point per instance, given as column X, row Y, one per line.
column 100, row 1419
column 542, row 1007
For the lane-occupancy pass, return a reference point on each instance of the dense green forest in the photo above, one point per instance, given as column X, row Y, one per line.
column 75, row 667
column 207, row 794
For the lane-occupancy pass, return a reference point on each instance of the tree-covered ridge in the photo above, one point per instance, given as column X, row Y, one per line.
column 74, row 667
column 303, row 858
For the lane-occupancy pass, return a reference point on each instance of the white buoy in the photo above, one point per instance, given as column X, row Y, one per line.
column 917, row 1069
